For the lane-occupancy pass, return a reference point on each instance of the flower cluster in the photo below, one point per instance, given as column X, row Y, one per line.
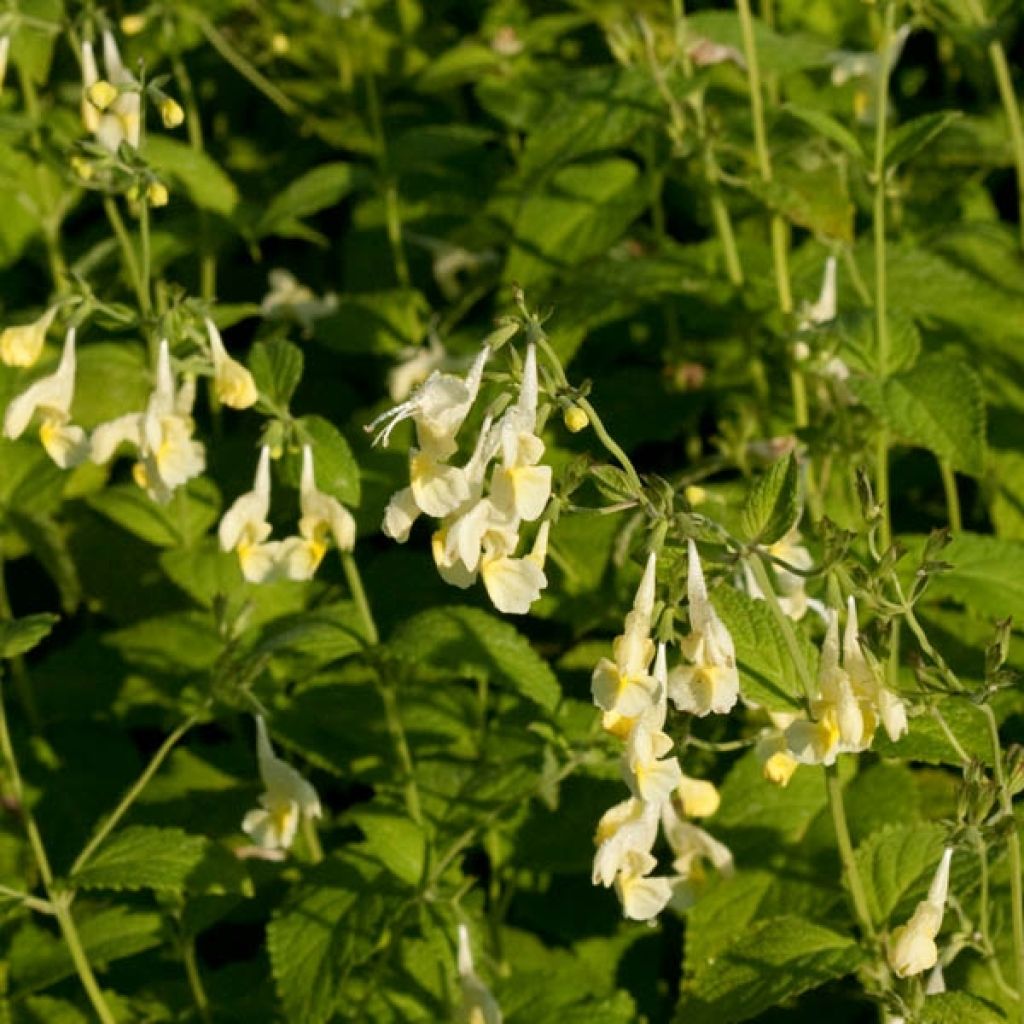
column 850, row 703
column 245, row 529
column 481, row 509
column 632, row 690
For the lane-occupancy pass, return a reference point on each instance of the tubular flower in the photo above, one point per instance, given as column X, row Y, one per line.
column 111, row 107
column 514, row 584
column 23, row 345
column 244, row 527
column 478, row 1003
column 691, row 847
column 777, row 763
column 628, row 827
column 232, row 382
column 824, row 310
column 323, row 517
column 792, row 594
column 711, row 682
column 912, row 948
column 5, row 46
column 623, row 687
column 651, row 775
column 867, row 682
column 51, row 398
column 286, row 797
column 162, row 434
column 415, row 365
column 642, row 897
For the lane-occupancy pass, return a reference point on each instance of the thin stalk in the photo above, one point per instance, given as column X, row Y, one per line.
column 392, row 211
column 833, row 786
column 1001, row 67
column 195, row 980
column 136, row 788
column 952, row 496
column 312, row 838
column 358, row 591
column 779, row 230
column 127, row 249
column 145, row 263
column 882, row 487
column 19, row 670
column 59, row 901
column 1013, row 846
column 951, row 739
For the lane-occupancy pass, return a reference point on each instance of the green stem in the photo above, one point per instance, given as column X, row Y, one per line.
column 312, row 838
column 997, row 55
column 127, row 249
column 882, row 488
column 132, row 794
column 1013, row 846
column 19, row 670
column 952, row 496
column 833, row 786
column 195, row 980
column 59, row 901
column 392, row 211
column 358, row 591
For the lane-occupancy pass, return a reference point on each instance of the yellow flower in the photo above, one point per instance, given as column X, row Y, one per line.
column 699, row 797
column 575, row 419
column 22, row 345
column 244, row 527
column 156, row 194
column 233, row 383
column 912, row 948
column 133, row 24
column 101, row 94
column 171, row 113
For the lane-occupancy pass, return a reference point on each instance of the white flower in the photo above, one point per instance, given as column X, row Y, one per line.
column 117, row 117
column 232, row 382
column 824, row 310
column 628, row 827
column 22, row 345
column 478, row 1003
column 642, row 898
column 323, row 517
column 244, row 527
column 415, row 365
column 624, row 687
column 710, row 684
column 286, row 797
column 912, row 948
column 866, row 679
column 51, row 398
column 649, row 773
column 288, row 296
column 691, row 847
column 792, row 594
column 514, row 584
column 168, row 456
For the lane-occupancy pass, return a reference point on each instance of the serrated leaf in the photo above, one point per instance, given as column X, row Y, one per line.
column 770, row 963
column 328, row 925
column 316, row 190
column 335, row 467
column 859, row 344
column 467, row 641
column 958, row 1008
column 206, row 183
column 826, row 125
column 277, row 369
column 910, row 138
column 767, row 673
column 18, row 636
column 164, row 859
column 613, row 483
column 394, row 839
column 773, row 504
column 938, row 404
column 896, row 864
column 776, row 53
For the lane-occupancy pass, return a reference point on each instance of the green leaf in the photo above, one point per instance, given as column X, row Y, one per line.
column 393, row 839
column 938, row 404
column 897, row 864
column 466, row 641
column 958, row 1008
column 768, row 964
column 826, row 125
column 773, row 504
column 46, row 540
column 277, row 369
column 776, row 53
column 192, row 510
column 206, row 183
column 859, row 343
column 335, row 467
column 329, row 924
column 18, row 636
column 767, row 673
column 164, row 859
column 316, row 190
column 910, row 138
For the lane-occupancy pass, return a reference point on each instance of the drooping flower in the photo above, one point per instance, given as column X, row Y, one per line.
column 777, row 762
column 290, row 298
column 824, row 309
column 642, row 897
column 51, row 397
column 622, row 686
column 111, row 107
column 233, row 383
column 912, row 948
column 478, row 1003
column 323, row 517
column 244, row 527
column 867, row 680
column 162, row 434
column 792, row 586
column 22, row 345
column 710, row 683
column 691, row 846
column 514, row 583
column 286, row 797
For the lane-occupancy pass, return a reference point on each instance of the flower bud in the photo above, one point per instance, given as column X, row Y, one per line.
column 156, row 194
column 22, row 345
column 133, row 24
column 699, row 797
column 171, row 113
column 779, row 768
column 575, row 419
column 82, row 167
column 101, row 94
column 280, row 44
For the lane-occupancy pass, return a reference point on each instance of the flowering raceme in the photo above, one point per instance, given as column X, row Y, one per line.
column 111, row 107
column 480, row 519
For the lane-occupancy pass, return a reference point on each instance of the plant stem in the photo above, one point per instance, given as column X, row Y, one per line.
column 952, row 496
column 132, row 794
column 1013, row 846
column 19, row 670
column 60, row 901
column 312, row 838
column 127, row 249
column 392, row 212
column 195, row 979
column 833, row 786
column 358, row 591
column 882, row 487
